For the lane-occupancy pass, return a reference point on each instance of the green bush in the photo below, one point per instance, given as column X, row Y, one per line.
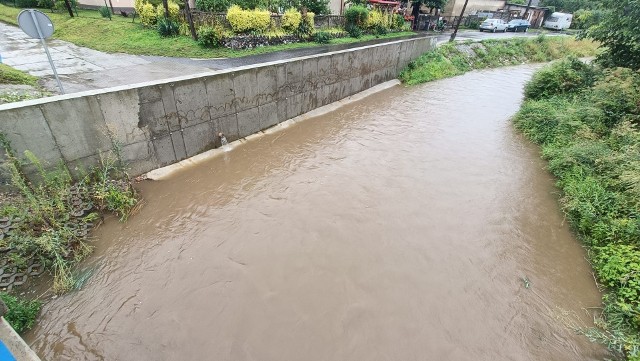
column 618, row 95
column 105, row 12
column 354, row 31
column 209, row 37
column 216, row 6
column 22, row 313
column 291, row 20
column 618, row 267
column 381, row 30
column 397, row 22
column 27, row 3
column 566, row 76
column 168, row 27
column 356, row 16
column 46, row 4
column 322, row 37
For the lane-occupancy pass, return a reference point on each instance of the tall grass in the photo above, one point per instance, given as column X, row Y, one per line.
column 52, row 213
column 458, row 58
column 587, row 121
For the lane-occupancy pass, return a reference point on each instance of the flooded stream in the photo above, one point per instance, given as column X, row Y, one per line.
column 400, row 227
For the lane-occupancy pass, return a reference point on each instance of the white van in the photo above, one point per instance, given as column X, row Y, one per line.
column 558, row 21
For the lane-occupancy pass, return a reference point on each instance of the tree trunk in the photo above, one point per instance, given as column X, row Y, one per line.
column 111, row 6
column 526, row 10
column 187, row 10
column 415, row 12
column 165, row 3
column 67, row 4
column 455, row 29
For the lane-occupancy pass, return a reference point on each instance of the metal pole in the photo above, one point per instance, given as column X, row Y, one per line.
column 455, row 30
column 46, row 50
column 526, row 11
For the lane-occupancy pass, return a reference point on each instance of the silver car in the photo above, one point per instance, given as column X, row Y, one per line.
column 493, row 25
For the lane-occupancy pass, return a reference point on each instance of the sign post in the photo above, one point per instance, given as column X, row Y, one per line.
column 38, row 26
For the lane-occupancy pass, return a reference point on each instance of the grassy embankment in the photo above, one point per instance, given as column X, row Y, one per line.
column 120, row 35
column 10, row 76
column 587, row 121
column 454, row 59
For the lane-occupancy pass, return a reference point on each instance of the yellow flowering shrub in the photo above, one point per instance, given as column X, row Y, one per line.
column 291, row 20
column 261, row 19
column 147, row 14
column 374, row 19
column 137, row 4
column 244, row 21
column 310, row 17
column 174, row 11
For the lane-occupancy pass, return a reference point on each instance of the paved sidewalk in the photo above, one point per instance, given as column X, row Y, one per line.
column 82, row 68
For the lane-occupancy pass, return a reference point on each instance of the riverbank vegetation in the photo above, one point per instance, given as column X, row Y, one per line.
column 46, row 219
column 22, row 314
column 455, row 59
column 587, row 121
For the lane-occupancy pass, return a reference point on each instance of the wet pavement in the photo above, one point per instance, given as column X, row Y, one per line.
column 82, row 68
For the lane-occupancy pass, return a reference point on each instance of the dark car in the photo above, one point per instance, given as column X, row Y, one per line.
column 518, row 25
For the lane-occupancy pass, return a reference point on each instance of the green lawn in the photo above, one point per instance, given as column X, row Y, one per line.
column 122, row 36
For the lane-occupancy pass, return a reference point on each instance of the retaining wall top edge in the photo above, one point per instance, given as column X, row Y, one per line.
column 40, row 101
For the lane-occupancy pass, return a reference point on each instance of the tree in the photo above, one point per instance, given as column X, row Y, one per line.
column 431, row 4
column 434, row 4
column 457, row 25
column 570, row 6
column 318, row 7
column 618, row 33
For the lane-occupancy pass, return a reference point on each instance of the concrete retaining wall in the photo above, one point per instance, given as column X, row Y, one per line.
column 162, row 122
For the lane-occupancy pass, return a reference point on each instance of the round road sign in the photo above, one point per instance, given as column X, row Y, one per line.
column 35, row 24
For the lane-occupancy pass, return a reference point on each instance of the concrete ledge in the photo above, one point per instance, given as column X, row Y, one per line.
column 20, row 350
column 165, row 172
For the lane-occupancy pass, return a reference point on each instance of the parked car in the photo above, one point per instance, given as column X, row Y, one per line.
column 493, row 25
column 518, row 25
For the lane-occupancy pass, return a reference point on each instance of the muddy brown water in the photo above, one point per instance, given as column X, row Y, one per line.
column 395, row 228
